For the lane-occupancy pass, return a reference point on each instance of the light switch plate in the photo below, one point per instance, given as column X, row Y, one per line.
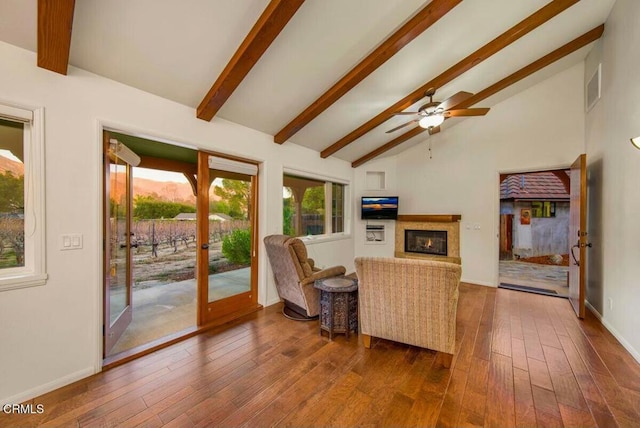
column 71, row 241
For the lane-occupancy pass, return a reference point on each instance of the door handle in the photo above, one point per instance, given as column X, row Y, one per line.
column 579, row 245
column 573, row 256
column 205, row 246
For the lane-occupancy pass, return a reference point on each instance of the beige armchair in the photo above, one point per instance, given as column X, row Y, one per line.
column 409, row 301
column 294, row 274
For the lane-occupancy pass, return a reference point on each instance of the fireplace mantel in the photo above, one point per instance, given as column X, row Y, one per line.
column 445, row 222
column 430, row 218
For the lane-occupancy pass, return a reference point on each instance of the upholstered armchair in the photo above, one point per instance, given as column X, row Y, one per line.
column 409, row 301
column 294, row 274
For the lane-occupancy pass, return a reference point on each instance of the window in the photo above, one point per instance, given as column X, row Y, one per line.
column 312, row 206
column 543, row 209
column 21, row 198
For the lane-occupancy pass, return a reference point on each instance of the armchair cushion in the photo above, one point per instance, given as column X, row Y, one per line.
column 299, row 251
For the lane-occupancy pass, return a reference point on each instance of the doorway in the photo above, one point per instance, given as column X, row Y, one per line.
column 161, row 213
column 534, row 232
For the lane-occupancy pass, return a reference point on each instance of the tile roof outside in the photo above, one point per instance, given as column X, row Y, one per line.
column 533, row 186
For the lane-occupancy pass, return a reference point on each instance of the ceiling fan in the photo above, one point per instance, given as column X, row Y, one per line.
column 432, row 114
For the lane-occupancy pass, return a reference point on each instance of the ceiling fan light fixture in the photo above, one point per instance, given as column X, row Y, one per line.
column 636, row 142
column 431, row 121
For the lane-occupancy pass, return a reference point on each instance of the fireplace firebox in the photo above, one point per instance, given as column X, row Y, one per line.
column 432, row 242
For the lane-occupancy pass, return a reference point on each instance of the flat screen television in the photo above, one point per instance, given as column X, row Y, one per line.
column 379, row 207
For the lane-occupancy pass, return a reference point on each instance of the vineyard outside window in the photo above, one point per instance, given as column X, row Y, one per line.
column 21, row 198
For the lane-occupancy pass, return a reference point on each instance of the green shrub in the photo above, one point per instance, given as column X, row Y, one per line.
column 236, row 246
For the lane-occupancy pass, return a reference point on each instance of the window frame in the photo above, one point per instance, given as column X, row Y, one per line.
column 33, row 273
column 328, row 218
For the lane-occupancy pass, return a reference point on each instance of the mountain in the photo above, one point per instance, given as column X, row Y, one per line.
column 169, row 191
column 166, row 190
column 17, row 168
column 163, row 190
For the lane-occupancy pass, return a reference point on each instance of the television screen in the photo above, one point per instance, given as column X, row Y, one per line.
column 379, row 207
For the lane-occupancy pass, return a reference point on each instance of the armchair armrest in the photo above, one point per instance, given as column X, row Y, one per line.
column 325, row 273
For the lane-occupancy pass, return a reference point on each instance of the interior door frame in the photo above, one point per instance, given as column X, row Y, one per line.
column 111, row 333
column 221, row 311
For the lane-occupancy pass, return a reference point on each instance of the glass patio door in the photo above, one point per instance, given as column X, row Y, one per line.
column 227, row 247
column 117, row 246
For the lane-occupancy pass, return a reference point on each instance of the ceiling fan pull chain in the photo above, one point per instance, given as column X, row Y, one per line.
column 430, row 149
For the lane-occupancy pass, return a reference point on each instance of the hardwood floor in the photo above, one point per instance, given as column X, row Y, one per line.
column 522, row 360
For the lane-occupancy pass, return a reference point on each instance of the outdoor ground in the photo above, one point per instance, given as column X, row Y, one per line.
column 164, row 290
column 546, row 260
column 171, row 266
column 546, row 276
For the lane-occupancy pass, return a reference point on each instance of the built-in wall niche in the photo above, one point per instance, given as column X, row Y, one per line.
column 375, row 180
column 375, row 234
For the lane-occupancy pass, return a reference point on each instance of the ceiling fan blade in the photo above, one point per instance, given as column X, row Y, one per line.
column 434, row 130
column 402, row 126
column 401, row 113
column 466, row 112
column 454, row 100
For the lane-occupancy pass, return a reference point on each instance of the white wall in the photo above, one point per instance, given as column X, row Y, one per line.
column 51, row 335
column 362, row 248
column 613, row 176
column 539, row 128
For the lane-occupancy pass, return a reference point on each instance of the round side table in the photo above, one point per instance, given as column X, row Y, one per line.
column 338, row 305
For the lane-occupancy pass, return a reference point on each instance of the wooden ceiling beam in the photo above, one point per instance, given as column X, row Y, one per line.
column 525, row 26
column 424, row 19
column 274, row 18
column 535, row 66
column 550, row 58
column 55, row 21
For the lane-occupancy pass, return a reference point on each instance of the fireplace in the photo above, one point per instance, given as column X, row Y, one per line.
column 445, row 226
column 432, row 242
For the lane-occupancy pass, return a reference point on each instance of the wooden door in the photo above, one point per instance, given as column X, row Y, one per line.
column 223, row 296
column 578, row 235
column 506, row 236
column 117, row 191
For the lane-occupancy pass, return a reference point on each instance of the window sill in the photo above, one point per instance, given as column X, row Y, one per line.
column 22, row 281
column 318, row 239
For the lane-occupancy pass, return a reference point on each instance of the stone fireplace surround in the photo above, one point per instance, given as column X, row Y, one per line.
column 447, row 222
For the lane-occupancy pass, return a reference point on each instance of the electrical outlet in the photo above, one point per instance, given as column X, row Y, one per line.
column 610, row 300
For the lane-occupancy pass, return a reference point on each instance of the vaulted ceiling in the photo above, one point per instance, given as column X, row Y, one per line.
column 324, row 74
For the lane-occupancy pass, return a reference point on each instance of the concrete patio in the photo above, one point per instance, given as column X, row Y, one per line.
column 549, row 277
column 161, row 308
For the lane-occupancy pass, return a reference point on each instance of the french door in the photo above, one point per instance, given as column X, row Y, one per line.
column 226, row 290
column 118, row 273
column 226, row 252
